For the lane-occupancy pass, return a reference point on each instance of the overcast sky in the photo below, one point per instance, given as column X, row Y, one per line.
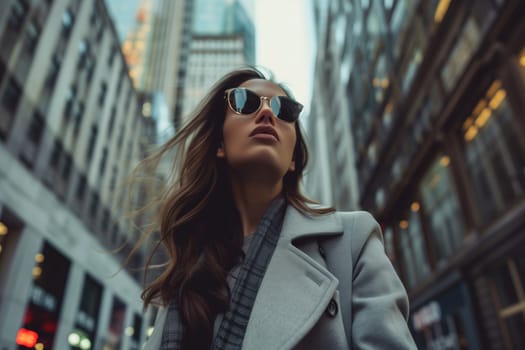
column 285, row 42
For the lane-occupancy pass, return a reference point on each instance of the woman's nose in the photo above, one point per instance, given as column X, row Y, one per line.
column 266, row 112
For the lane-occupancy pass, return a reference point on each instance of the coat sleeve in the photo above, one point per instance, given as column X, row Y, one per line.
column 379, row 299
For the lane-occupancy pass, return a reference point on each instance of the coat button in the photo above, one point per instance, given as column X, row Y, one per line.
column 331, row 310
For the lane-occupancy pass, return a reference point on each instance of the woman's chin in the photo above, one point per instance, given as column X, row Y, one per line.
column 263, row 165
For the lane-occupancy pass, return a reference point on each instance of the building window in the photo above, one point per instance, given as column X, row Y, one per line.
column 116, row 325
column 56, row 154
column 134, row 331
column 112, row 53
column 19, row 9
column 400, row 22
column 91, row 143
column 70, row 102
column 111, row 122
column 87, row 315
column 103, row 161
column 54, row 69
column 102, row 93
column 441, row 209
column 81, row 187
column 508, row 283
column 94, row 204
column 414, row 55
column 66, row 169
column 12, row 94
column 467, row 43
column 104, row 224
column 113, row 182
column 68, row 19
column 90, row 67
column 32, row 35
column 414, row 258
column 79, row 113
column 83, row 53
column 494, row 150
column 36, row 128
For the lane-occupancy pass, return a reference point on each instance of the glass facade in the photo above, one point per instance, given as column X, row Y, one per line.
column 441, row 209
column 494, row 149
column 416, row 265
column 436, row 91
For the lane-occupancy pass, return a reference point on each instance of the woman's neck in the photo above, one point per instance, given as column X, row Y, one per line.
column 252, row 200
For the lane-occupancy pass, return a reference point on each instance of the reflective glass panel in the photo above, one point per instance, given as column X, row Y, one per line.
column 494, row 150
column 441, row 208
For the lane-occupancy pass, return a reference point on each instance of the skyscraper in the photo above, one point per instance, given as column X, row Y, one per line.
column 223, row 39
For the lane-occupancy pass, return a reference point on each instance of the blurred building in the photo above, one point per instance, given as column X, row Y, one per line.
column 238, row 21
column 222, row 39
column 155, row 45
column 434, row 93
column 164, row 59
column 211, row 56
column 331, row 177
column 70, row 130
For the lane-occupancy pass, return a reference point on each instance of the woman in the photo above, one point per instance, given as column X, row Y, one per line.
column 253, row 264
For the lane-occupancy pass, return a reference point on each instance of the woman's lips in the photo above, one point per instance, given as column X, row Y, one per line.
column 264, row 132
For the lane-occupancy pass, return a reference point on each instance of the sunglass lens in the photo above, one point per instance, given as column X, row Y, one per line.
column 243, row 101
column 286, row 109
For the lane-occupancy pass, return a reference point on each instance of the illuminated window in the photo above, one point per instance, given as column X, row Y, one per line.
column 494, row 150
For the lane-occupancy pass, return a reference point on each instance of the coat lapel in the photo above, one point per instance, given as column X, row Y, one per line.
column 295, row 290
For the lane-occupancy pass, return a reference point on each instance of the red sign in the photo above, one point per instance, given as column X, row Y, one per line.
column 26, row 337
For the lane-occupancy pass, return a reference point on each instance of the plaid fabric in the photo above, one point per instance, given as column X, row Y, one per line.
column 246, row 280
column 172, row 332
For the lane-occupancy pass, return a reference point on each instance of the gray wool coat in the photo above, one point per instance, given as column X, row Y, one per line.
column 329, row 285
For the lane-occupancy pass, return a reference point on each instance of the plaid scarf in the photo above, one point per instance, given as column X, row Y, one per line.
column 250, row 275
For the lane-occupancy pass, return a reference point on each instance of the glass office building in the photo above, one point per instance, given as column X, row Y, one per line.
column 435, row 93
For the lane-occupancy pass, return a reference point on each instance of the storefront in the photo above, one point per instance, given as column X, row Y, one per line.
column 445, row 321
column 42, row 314
column 55, row 293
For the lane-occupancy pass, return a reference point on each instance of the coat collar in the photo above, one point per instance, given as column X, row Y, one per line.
column 298, row 225
column 295, row 290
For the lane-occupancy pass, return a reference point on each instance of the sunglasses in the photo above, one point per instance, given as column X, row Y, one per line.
column 244, row 101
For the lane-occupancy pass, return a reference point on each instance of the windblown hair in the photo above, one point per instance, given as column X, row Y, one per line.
column 196, row 217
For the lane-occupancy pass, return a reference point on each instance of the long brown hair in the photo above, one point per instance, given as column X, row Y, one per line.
column 197, row 219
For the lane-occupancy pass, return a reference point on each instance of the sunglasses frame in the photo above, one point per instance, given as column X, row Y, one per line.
column 228, row 92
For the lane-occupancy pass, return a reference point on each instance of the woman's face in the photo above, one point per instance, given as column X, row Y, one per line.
column 259, row 142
